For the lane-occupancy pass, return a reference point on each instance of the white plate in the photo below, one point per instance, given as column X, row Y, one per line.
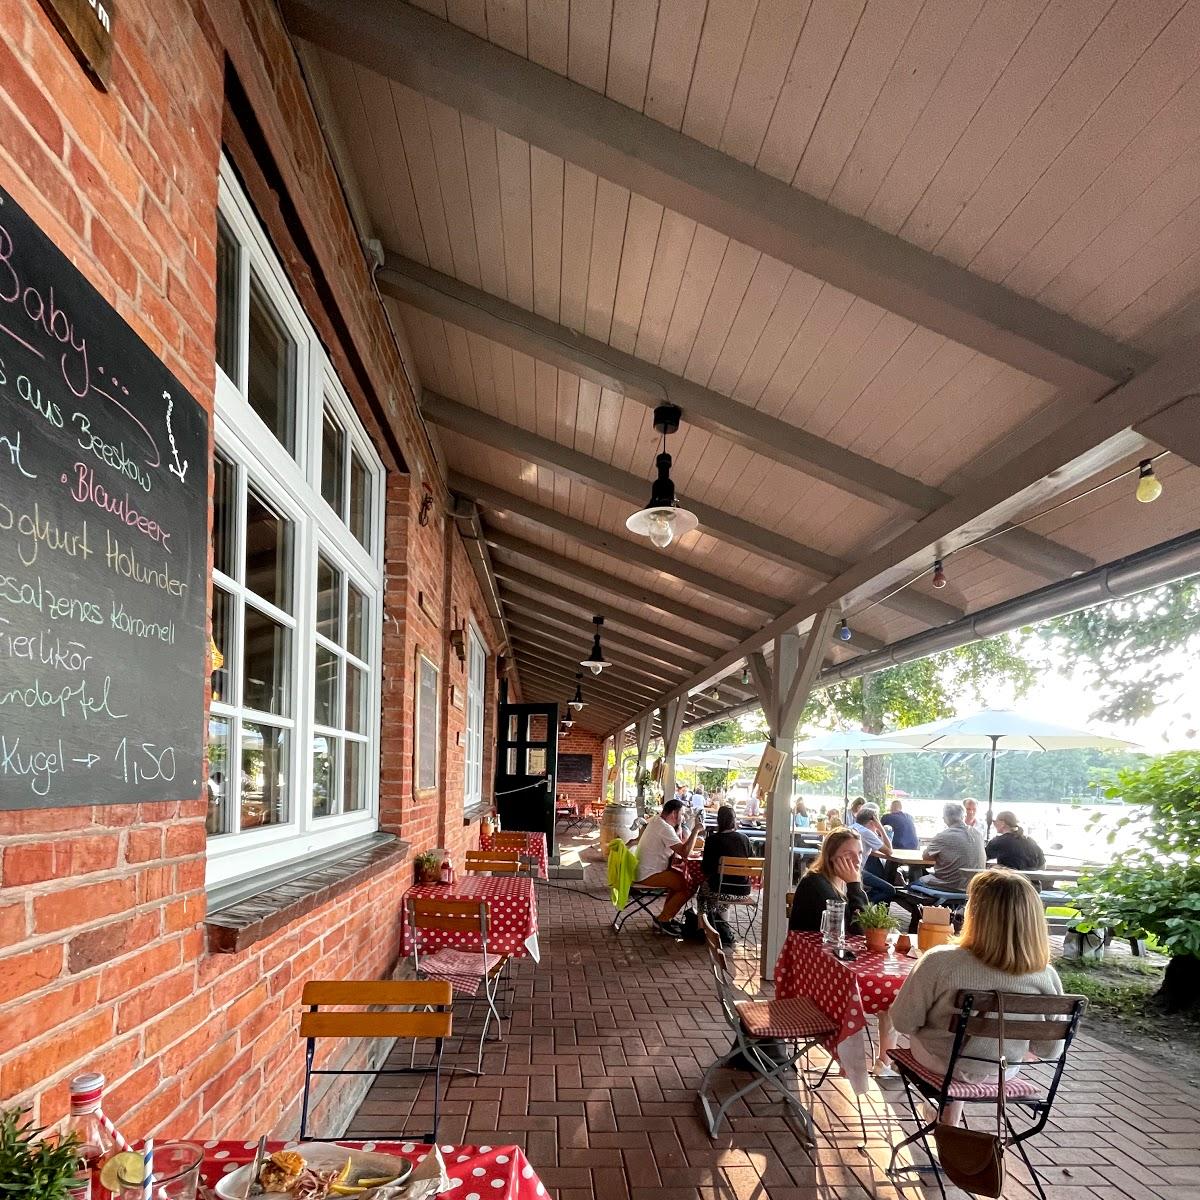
column 322, row 1156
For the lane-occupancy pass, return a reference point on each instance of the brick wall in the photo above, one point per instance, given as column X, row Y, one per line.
column 581, row 741
column 103, row 951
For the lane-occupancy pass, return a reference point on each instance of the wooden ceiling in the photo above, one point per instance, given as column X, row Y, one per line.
column 913, row 271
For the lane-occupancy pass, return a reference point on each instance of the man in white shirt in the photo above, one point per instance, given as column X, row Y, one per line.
column 659, row 847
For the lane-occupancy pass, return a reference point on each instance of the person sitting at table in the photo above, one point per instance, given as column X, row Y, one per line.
column 971, row 812
column 901, row 827
column 727, row 842
column 1012, row 846
column 801, row 819
column 834, row 818
column 1004, row 947
column 957, row 853
column 661, row 853
column 876, row 845
column 835, row 874
column 852, row 815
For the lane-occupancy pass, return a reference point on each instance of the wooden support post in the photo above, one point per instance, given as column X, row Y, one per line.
column 643, row 748
column 795, row 668
column 672, row 722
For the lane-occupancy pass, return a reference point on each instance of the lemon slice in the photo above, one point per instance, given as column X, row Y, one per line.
column 126, row 1167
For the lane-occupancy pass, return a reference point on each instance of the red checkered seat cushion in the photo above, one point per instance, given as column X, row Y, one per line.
column 462, row 969
column 1014, row 1088
column 795, row 1018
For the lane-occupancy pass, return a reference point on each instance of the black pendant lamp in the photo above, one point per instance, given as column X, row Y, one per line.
column 662, row 520
column 576, row 702
column 595, row 661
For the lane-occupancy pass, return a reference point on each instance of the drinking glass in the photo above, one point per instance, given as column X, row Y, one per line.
column 893, row 936
column 176, row 1173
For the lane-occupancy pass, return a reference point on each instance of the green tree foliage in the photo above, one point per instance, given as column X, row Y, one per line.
column 915, row 692
column 1128, row 649
column 1153, row 890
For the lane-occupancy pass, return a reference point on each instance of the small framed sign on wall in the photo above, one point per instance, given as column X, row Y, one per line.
column 425, row 740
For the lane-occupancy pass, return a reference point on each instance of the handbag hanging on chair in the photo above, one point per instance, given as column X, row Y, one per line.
column 974, row 1160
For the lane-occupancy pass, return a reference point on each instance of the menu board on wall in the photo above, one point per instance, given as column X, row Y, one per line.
column 103, row 545
column 574, row 768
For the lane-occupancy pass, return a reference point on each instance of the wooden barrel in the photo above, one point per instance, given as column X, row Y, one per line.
column 618, row 822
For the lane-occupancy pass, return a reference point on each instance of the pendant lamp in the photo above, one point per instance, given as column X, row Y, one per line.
column 595, row 661
column 662, row 520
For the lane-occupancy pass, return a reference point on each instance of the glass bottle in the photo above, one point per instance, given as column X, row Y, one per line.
column 96, row 1144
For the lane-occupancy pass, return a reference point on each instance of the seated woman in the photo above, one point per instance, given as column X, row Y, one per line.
column 835, row 874
column 1012, row 846
column 727, row 842
column 1004, row 948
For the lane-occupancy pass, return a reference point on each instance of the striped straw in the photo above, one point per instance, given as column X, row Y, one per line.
column 123, row 1144
column 148, row 1169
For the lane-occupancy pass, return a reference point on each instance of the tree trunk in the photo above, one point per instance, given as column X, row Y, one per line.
column 874, row 766
column 1180, row 989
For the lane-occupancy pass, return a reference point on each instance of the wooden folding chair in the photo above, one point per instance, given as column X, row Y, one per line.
column 491, row 862
column 519, row 842
column 736, row 879
column 433, row 997
column 1031, row 1018
column 469, row 971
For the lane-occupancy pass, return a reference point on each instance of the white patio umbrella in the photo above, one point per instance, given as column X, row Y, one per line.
column 997, row 729
column 852, row 741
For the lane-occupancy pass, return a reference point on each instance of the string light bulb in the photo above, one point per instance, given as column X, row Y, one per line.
column 845, row 633
column 1149, row 486
column 939, row 575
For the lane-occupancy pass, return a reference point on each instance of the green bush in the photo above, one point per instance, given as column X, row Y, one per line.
column 1153, row 889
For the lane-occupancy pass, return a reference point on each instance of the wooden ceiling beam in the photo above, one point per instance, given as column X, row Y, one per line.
column 618, row 143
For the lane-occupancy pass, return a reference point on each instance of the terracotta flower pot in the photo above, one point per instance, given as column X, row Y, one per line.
column 876, row 940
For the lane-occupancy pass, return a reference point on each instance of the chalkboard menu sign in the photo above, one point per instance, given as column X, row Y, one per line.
column 103, row 546
column 574, row 768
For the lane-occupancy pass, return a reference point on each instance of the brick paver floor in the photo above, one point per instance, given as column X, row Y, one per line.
column 596, row 1079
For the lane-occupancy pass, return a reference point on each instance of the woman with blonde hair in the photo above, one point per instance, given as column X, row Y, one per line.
column 835, row 874
column 1004, row 947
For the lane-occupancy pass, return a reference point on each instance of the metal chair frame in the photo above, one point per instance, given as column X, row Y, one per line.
column 432, row 996
column 767, row 1070
column 747, row 870
column 460, row 916
column 973, row 1020
column 640, row 900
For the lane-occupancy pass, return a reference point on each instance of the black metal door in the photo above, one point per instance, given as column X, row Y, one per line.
column 526, row 765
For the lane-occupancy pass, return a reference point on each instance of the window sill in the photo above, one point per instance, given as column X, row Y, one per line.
column 241, row 914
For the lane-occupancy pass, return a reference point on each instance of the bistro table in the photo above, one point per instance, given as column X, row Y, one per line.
column 846, row 991
column 512, row 915
column 537, row 849
column 494, row 1172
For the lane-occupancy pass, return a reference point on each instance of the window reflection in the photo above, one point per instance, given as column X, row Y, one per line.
column 266, row 664
column 268, row 552
column 264, row 775
column 271, row 369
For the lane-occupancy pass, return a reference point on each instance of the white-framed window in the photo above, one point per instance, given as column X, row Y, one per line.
column 476, row 680
column 297, row 576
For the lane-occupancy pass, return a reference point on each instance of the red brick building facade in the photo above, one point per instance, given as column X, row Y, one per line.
column 107, row 957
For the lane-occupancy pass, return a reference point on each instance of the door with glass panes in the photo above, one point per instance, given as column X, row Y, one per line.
column 526, row 764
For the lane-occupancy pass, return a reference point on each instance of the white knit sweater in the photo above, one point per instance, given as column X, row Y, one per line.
column 925, row 1009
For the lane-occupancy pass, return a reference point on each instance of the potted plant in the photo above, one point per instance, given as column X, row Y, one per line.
column 33, row 1167
column 875, row 921
column 429, row 867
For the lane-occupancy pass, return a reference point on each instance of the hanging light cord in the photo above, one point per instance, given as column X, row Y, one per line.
column 987, row 537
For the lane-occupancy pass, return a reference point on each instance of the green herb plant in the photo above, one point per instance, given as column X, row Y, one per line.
column 34, row 1166
column 876, row 916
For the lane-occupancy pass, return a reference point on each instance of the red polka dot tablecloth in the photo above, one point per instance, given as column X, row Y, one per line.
column 475, row 1172
column 846, row 991
column 537, row 848
column 512, row 915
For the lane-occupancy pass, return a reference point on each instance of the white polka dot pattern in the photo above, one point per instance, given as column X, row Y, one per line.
column 846, row 991
column 501, row 1173
column 512, row 914
column 537, row 849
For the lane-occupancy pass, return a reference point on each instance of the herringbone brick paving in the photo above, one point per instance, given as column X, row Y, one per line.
column 596, row 1079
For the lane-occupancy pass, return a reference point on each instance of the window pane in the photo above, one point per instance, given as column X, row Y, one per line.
column 325, row 775
column 219, row 819
column 514, row 730
column 267, row 664
column 329, row 600
column 271, row 373
column 228, row 254
column 537, row 728
column 360, row 499
column 356, row 622
column 326, row 707
column 268, row 552
column 354, row 797
column 356, row 699
column 511, row 762
column 222, row 636
column 264, row 775
column 224, row 515
column 333, row 460
column 535, row 762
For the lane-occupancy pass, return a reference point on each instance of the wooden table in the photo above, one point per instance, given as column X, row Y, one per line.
column 909, row 858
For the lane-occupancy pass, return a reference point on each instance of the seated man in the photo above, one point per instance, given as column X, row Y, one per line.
column 1012, row 847
column 659, row 848
column 875, row 844
column 727, row 842
column 902, row 827
column 957, row 853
